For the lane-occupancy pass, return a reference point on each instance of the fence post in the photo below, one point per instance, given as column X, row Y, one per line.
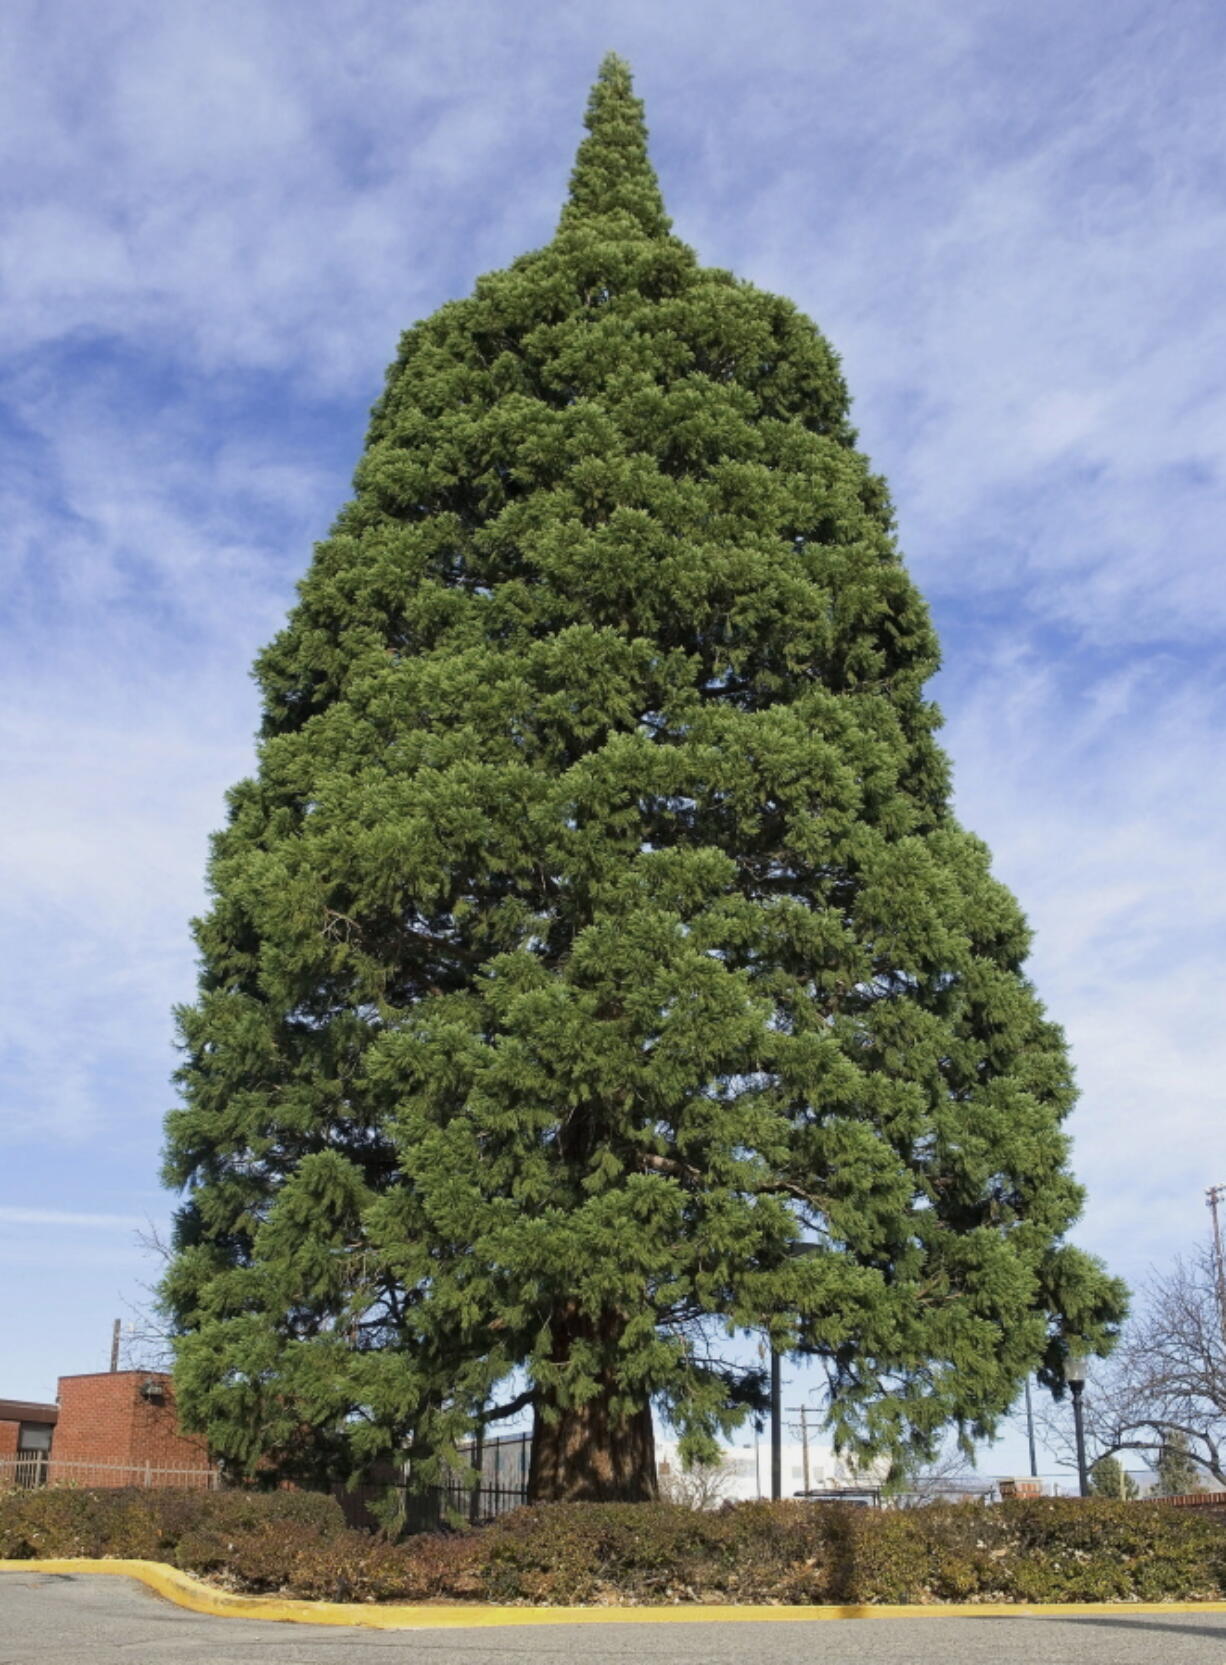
column 478, row 1454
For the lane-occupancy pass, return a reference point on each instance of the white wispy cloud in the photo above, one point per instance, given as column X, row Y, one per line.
column 68, row 1219
column 1103, row 801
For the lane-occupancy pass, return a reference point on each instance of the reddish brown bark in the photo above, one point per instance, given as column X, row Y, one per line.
column 584, row 1453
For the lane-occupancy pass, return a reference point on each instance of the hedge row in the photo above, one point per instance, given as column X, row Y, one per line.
column 1042, row 1550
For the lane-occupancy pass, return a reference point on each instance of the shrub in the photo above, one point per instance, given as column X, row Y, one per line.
column 128, row 1521
column 296, row 1542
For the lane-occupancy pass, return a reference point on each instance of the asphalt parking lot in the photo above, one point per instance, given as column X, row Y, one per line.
column 79, row 1619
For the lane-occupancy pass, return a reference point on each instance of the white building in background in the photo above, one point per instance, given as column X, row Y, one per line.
column 746, row 1470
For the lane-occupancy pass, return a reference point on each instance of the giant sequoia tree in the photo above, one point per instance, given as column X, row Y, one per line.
column 595, row 970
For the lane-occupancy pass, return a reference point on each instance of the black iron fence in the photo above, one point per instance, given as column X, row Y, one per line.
column 498, row 1483
column 502, row 1484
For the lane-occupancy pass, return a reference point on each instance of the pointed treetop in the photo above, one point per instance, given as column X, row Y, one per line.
column 612, row 172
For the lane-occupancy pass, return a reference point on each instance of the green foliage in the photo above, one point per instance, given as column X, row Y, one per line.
column 1109, row 1479
column 595, row 967
column 1177, row 1473
column 1043, row 1550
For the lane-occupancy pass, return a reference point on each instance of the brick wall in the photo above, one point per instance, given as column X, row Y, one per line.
column 16, row 1412
column 107, row 1422
column 1213, row 1503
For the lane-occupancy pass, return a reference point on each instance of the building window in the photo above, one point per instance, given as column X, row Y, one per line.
column 33, row 1453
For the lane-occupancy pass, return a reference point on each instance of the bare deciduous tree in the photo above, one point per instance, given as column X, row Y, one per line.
column 1166, row 1380
column 947, row 1478
column 702, row 1486
column 146, row 1338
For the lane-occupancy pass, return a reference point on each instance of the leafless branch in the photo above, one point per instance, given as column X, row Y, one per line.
column 1166, row 1379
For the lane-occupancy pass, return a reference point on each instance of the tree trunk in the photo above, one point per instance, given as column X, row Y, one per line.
column 583, row 1453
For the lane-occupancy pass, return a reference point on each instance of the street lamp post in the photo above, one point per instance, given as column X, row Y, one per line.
column 776, row 1425
column 1075, row 1376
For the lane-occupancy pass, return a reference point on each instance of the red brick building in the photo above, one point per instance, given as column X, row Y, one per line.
column 113, row 1428
column 26, row 1431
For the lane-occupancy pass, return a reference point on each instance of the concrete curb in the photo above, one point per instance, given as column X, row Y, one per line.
column 186, row 1591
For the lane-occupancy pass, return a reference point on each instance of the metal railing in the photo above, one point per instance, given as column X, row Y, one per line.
column 1192, row 1500
column 29, row 1469
column 502, row 1465
column 498, row 1484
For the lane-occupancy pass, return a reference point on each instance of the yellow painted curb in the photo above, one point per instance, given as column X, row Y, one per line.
column 187, row 1591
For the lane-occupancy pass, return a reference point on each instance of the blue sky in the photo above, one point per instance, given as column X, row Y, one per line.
column 1010, row 221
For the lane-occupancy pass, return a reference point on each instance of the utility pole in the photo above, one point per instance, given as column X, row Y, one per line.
column 115, row 1331
column 776, row 1426
column 1213, row 1197
column 802, row 1411
column 1034, row 1461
